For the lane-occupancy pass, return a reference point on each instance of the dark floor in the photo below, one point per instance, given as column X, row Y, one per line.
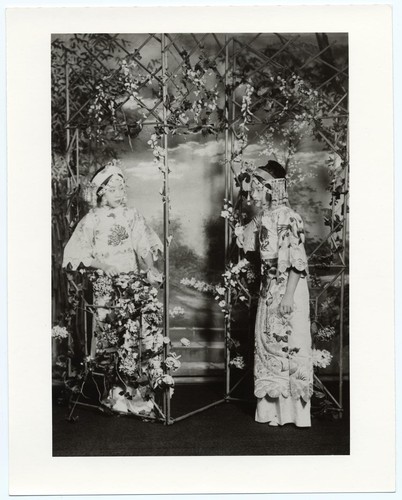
column 226, row 429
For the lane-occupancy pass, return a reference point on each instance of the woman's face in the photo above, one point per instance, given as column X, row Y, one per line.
column 115, row 193
column 258, row 193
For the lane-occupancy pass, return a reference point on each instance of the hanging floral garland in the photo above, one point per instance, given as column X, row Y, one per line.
column 128, row 334
column 291, row 132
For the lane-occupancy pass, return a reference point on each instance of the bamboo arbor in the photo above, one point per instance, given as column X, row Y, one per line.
column 266, row 87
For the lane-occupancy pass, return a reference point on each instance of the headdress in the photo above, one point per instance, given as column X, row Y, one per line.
column 99, row 182
column 273, row 177
column 271, row 169
column 104, row 175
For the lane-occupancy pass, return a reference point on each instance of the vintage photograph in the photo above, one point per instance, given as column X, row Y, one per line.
column 200, row 244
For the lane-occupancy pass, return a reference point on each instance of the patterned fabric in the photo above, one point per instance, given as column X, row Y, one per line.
column 283, row 357
column 114, row 236
column 119, row 237
column 279, row 195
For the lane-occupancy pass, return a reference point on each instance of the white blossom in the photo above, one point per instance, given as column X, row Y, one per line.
column 321, row 358
column 59, row 332
column 238, row 362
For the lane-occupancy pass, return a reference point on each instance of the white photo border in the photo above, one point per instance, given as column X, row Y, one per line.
column 371, row 464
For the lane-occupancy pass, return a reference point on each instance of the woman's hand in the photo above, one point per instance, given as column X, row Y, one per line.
column 239, row 232
column 287, row 304
column 110, row 270
column 154, row 276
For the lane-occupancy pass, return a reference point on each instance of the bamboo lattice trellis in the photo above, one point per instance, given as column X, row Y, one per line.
column 173, row 63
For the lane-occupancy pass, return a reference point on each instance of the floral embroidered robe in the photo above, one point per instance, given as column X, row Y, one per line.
column 119, row 237
column 283, row 370
column 115, row 236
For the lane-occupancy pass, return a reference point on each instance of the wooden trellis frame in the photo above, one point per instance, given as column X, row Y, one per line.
column 337, row 112
column 158, row 115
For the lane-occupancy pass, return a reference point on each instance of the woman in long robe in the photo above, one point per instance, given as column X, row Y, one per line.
column 283, row 369
column 115, row 239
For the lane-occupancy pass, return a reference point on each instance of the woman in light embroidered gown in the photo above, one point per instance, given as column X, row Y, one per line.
column 115, row 239
column 283, row 369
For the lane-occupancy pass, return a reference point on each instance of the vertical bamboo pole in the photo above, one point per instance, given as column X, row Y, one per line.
column 166, row 206
column 232, row 139
column 232, row 111
column 77, row 163
column 69, row 366
column 140, row 342
column 342, row 297
column 77, row 155
column 85, row 317
column 227, row 169
column 67, row 71
column 233, row 117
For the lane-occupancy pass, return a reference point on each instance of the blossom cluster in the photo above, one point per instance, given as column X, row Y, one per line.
column 248, row 167
column 106, row 337
column 97, row 110
column 206, row 102
column 104, row 105
column 325, row 333
column 157, row 377
column 246, row 103
column 172, row 361
column 282, row 143
column 233, row 282
column 154, row 370
column 229, row 213
column 236, row 269
column 321, row 358
column 206, row 95
column 242, row 139
column 164, row 381
column 128, row 362
column 295, row 105
column 132, row 327
column 238, row 362
column 176, row 312
column 129, row 82
column 102, row 286
column 198, row 285
column 59, row 332
column 158, row 152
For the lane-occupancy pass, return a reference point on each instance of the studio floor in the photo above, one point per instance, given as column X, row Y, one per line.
column 226, row 429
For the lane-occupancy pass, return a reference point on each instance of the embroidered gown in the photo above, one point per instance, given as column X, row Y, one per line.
column 114, row 236
column 283, row 370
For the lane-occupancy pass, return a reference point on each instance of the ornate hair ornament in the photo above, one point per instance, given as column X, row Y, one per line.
column 102, row 177
column 272, row 169
column 99, row 183
column 273, row 177
column 279, row 193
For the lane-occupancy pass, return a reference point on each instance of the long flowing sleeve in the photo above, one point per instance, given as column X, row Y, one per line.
column 291, row 238
column 145, row 240
column 79, row 248
column 247, row 236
